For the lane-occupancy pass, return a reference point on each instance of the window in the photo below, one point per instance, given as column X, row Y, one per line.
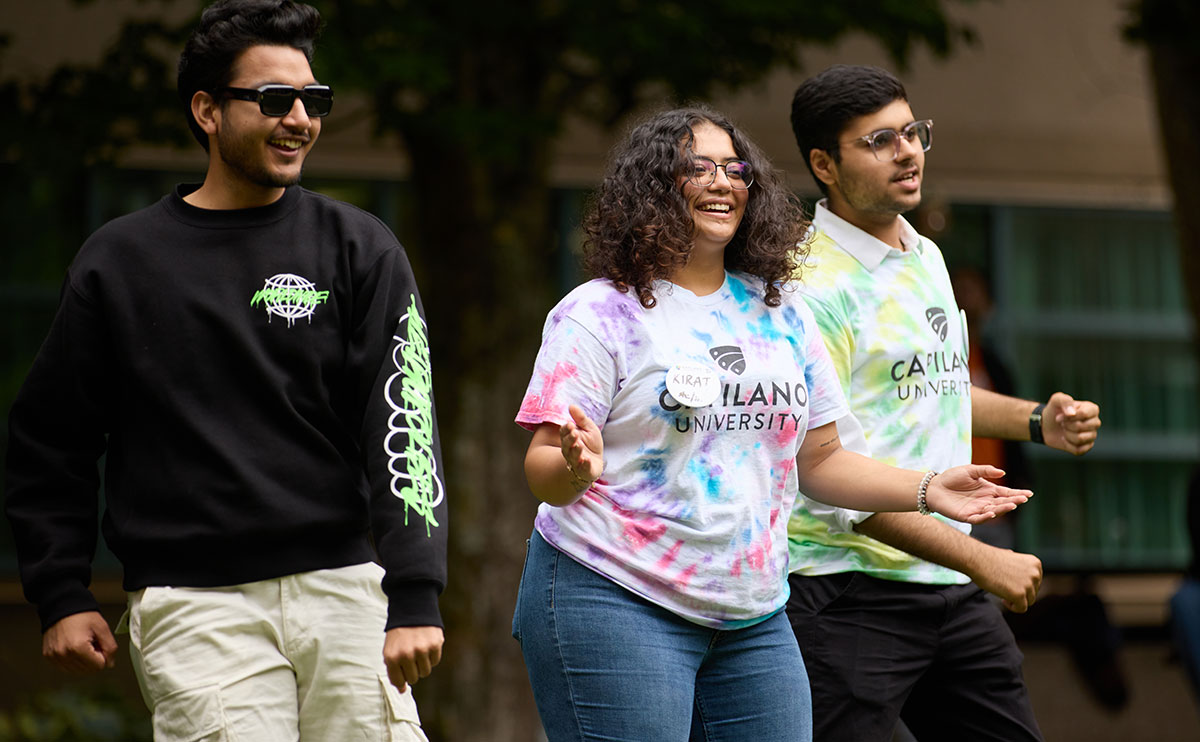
column 1091, row 302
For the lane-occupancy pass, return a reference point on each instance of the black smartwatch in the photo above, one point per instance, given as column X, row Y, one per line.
column 1035, row 424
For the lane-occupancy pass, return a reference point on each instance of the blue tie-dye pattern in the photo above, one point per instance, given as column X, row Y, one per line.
column 651, row 492
column 793, row 319
column 709, row 480
column 765, row 328
column 656, row 410
column 724, row 322
column 741, row 293
column 653, row 466
column 663, row 471
column 744, row 458
column 704, row 337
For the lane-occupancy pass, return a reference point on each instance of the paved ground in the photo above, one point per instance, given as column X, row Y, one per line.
column 1160, row 706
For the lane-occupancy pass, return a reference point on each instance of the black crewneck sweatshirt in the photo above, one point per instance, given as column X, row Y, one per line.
column 259, row 380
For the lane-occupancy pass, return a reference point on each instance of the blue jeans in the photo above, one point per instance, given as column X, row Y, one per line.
column 605, row 664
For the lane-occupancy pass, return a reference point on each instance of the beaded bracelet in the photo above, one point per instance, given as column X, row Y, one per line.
column 922, row 505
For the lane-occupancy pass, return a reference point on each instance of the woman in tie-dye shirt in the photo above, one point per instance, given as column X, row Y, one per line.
column 675, row 404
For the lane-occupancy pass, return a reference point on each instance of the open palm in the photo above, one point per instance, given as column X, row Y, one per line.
column 969, row 494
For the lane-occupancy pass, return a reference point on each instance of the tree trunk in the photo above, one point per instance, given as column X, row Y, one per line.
column 485, row 247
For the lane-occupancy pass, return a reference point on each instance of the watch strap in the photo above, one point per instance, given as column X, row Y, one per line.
column 1035, row 424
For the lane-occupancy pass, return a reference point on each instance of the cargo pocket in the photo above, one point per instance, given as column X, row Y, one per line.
column 400, row 714
column 122, row 626
column 192, row 715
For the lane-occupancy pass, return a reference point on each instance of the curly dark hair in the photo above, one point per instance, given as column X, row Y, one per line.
column 229, row 27
column 638, row 226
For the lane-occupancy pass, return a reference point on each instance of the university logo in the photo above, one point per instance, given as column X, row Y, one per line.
column 933, row 373
column 729, row 358
column 289, row 296
column 936, row 317
column 737, row 404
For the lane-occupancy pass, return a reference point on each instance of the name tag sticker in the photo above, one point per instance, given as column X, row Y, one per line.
column 693, row 384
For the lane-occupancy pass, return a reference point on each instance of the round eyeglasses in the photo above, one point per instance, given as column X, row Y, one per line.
column 885, row 143
column 739, row 173
column 277, row 100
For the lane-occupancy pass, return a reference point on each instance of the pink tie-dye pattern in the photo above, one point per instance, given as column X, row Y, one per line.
column 669, row 558
column 639, row 533
column 685, row 577
column 536, row 405
column 755, row 557
column 784, row 438
column 758, row 554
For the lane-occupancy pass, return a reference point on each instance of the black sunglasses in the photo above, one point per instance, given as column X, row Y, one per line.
column 277, row 100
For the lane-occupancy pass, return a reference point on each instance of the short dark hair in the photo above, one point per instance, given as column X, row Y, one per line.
column 827, row 102
column 638, row 227
column 229, row 27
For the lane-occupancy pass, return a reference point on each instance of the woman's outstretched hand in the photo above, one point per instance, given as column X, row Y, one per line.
column 582, row 446
column 970, row 494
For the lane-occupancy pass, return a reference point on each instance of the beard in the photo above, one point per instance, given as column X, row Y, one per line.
column 240, row 154
column 870, row 197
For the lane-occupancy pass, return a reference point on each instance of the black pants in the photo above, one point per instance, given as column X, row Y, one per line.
column 940, row 657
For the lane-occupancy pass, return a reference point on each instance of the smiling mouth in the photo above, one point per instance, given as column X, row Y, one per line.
column 715, row 208
column 290, row 145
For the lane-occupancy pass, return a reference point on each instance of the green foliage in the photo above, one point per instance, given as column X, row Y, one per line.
column 56, row 129
column 84, row 115
column 499, row 77
column 97, row 715
column 492, row 81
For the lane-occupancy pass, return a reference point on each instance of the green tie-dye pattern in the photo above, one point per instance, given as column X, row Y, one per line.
column 863, row 340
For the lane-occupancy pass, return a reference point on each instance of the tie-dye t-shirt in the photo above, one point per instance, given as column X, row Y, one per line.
column 691, row 510
column 899, row 344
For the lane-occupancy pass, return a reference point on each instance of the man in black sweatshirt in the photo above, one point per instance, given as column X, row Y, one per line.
column 252, row 359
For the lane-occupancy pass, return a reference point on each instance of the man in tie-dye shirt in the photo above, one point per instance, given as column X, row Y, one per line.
column 887, row 634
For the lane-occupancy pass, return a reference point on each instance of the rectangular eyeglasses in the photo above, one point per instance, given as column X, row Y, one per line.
column 277, row 100
column 885, row 143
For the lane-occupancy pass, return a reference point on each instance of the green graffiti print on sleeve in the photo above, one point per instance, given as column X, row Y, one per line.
column 409, row 441
column 289, row 296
